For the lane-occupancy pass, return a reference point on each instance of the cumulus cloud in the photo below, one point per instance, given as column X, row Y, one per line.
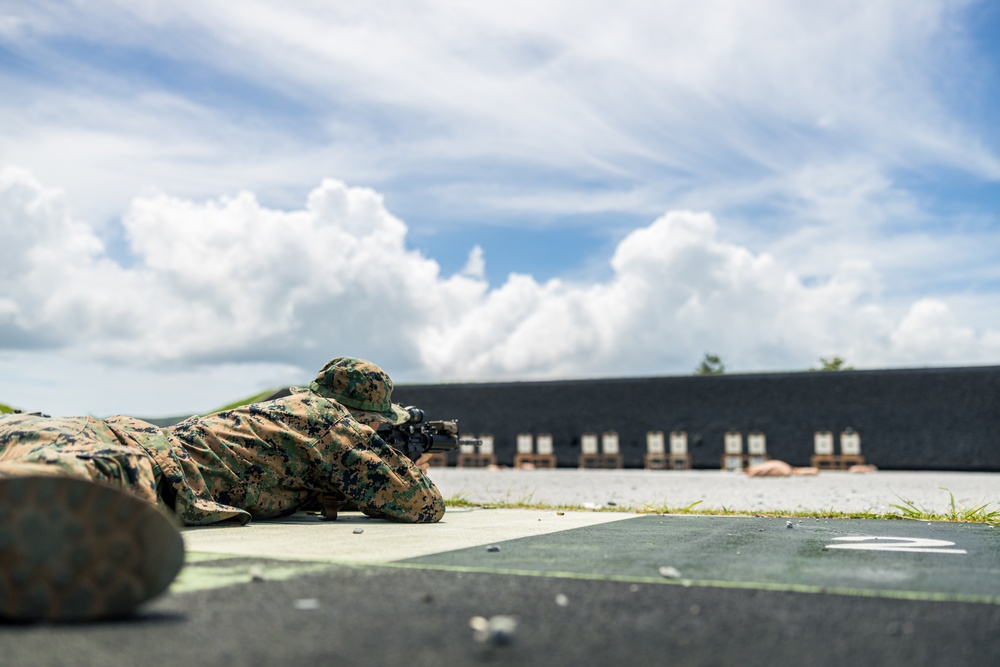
column 229, row 280
column 53, row 269
column 677, row 290
column 222, row 280
column 929, row 330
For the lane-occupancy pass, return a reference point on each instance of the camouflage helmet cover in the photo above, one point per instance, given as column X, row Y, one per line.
column 362, row 387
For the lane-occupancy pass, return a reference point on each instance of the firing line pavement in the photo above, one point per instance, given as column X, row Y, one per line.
column 585, row 587
column 909, row 559
column 801, row 554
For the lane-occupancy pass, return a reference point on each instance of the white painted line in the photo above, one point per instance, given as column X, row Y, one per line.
column 305, row 537
column 899, row 544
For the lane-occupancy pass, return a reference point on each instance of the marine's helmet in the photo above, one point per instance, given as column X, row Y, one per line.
column 361, row 387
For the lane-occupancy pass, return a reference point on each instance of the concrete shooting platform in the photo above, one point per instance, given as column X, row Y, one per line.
column 584, row 587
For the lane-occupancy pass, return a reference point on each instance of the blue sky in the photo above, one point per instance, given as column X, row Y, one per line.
column 192, row 193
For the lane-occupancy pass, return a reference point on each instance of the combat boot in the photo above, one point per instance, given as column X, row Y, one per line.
column 76, row 550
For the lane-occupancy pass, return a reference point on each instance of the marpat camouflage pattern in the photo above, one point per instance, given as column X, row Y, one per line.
column 262, row 460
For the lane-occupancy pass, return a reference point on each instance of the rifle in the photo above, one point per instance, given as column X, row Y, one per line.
column 416, row 437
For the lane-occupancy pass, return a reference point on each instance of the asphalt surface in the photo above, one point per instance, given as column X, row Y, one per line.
column 561, row 588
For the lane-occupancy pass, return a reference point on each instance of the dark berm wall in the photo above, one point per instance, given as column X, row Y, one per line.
column 914, row 419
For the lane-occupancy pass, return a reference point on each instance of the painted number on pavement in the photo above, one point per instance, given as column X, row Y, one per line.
column 907, row 544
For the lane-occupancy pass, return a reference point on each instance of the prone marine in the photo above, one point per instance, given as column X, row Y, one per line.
column 89, row 507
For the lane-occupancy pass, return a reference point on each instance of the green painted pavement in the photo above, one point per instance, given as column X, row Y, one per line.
column 207, row 571
column 904, row 559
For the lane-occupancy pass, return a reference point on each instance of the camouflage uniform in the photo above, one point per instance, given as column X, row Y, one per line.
column 262, row 460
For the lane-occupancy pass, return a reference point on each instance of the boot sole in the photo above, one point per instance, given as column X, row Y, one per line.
column 75, row 550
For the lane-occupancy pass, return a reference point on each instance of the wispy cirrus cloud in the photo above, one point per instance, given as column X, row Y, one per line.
column 721, row 93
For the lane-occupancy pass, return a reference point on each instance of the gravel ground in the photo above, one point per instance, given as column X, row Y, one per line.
column 837, row 491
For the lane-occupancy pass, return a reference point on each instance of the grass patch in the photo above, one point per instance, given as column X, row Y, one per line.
column 5, row 409
column 904, row 511
column 957, row 512
column 460, row 500
column 660, row 509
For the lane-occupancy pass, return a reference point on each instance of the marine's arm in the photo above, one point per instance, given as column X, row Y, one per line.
column 381, row 481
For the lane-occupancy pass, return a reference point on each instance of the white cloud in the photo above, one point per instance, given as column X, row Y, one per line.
column 229, row 281
column 225, row 279
column 475, row 265
column 814, row 134
column 929, row 330
column 52, row 268
column 694, row 95
column 793, row 123
column 677, row 291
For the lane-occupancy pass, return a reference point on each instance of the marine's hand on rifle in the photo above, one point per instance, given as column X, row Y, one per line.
column 424, row 463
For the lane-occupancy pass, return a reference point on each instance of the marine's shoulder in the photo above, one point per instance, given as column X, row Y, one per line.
column 299, row 406
column 300, row 401
column 325, row 412
column 131, row 424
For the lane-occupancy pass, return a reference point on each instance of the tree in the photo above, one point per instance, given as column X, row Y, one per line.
column 711, row 364
column 833, row 364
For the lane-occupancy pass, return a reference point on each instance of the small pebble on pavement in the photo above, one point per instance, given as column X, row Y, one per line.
column 498, row 630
